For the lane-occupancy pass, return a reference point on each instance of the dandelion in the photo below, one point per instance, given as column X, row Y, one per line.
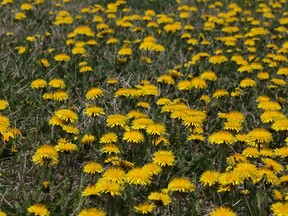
column 66, row 115
column 109, row 138
column 133, row 136
column 280, row 125
column 38, row 210
column 59, row 96
column 181, row 185
column 164, row 158
column 258, row 136
column 92, row 168
column 144, row 208
column 3, row 104
column 85, row 69
column 251, row 152
column 91, row 212
column 94, row 111
column 70, row 129
column 2, row 213
column 156, row 129
column 62, row 57
column 63, row 145
column 116, row 120
column 208, row 75
column 57, row 83
column 160, row 197
column 109, row 187
column 198, row 83
column 110, row 148
column 247, row 83
column 230, row 178
column 221, row 211
column 54, row 120
column 38, row 83
column 45, row 154
column 246, row 170
column 94, row 93
column 138, row 176
column 209, row 178
column 221, row 137
column 152, row 169
column 116, row 175
column 220, row 93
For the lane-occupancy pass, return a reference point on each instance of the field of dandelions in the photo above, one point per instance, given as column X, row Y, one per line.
column 156, row 107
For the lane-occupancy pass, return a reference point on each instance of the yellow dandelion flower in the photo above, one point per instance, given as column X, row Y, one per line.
column 45, row 154
column 271, row 116
column 85, row 69
column 162, row 197
column 62, row 57
column 163, row 158
column 277, row 194
column 144, row 208
column 281, row 152
column 125, row 51
column 136, row 114
column 198, row 83
column 246, row 170
column 251, row 152
column 45, row 62
column 109, row 138
column 116, row 175
column 91, row 190
column 280, row 125
column 20, row 16
column 116, row 120
column 230, row 178
column 221, row 137
column 94, row 111
column 218, row 59
column 184, row 85
column 269, row 105
column 156, row 129
column 91, row 212
column 263, row 75
column 94, row 93
column 66, row 115
column 152, row 169
column 209, row 178
column 64, row 145
column 138, row 176
column 208, row 75
column 3, row 104
column 220, row 93
column 38, row 209
column 222, row 211
column 55, row 121
column 70, row 129
column 109, row 187
column 167, row 79
column 273, row 165
column 57, row 83
column 258, row 136
column 233, row 125
column 110, row 148
column 38, row 83
column 279, row 209
column 59, row 96
column 270, row 176
column 133, row 136
column 181, row 185
column 143, row 104
column 92, row 168
column 247, row 83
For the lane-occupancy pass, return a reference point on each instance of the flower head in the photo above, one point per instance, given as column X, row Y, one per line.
column 181, row 185
column 45, row 154
column 38, row 210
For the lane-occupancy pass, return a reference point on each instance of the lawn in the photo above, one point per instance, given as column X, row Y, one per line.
column 155, row 107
